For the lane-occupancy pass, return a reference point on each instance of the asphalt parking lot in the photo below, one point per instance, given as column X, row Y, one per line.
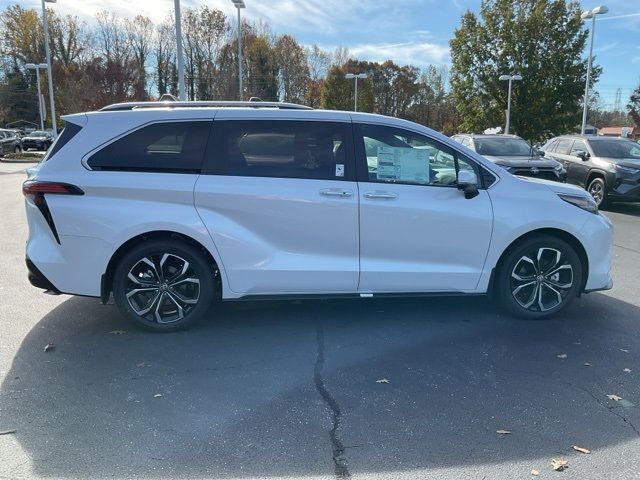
column 291, row 389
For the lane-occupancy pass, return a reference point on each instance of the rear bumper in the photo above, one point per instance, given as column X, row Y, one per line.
column 37, row 278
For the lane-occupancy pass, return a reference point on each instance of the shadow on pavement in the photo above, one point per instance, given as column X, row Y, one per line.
column 624, row 208
column 243, row 395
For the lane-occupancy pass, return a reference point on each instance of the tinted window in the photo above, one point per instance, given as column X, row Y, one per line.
column 282, row 149
column 578, row 146
column 564, row 145
column 395, row 155
column 169, row 147
column 616, row 148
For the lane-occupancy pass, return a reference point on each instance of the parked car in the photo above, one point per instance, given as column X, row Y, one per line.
column 9, row 142
column 514, row 155
column 608, row 168
column 169, row 209
column 39, row 139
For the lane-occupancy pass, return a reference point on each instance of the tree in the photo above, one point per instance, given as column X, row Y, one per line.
column 542, row 40
column 261, row 70
column 634, row 106
column 140, row 36
column 293, row 70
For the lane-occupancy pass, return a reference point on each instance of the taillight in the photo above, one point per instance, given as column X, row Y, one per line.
column 34, row 187
column 36, row 190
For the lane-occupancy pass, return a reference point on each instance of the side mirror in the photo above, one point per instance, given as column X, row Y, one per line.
column 540, row 152
column 582, row 154
column 468, row 183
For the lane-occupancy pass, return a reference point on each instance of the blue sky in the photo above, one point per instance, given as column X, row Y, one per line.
column 406, row 31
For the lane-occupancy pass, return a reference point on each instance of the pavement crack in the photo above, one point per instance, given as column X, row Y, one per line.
column 338, row 449
column 629, row 249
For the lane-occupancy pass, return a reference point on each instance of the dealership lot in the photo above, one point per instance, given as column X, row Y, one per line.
column 402, row 388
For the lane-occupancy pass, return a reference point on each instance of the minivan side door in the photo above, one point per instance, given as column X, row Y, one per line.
column 280, row 201
column 418, row 232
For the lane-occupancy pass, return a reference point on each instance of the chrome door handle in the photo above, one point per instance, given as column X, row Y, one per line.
column 382, row 195
column 335, row 192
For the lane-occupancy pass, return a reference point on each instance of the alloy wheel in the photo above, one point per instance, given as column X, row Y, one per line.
column 541, row 280
column 162, row 288
column 596, row 190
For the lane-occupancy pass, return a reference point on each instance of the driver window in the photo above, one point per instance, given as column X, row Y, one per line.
column 395, row 155
column 578, row 146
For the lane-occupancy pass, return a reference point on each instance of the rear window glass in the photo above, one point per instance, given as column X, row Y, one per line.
column 281, row 149
column 176, row 147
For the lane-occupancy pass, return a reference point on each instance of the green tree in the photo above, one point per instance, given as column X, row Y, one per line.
column 543, row 40
column 634, row 106
column 336, row 90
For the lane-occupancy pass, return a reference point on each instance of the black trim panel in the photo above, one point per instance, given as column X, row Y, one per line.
column 37, row 278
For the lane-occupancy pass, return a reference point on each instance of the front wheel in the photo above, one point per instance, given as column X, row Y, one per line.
column 598, row 190
column 539, row 278
column 164, row 285
column 17, row 149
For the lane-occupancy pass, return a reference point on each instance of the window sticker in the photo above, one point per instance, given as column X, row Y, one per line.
column 403, row 164
column 339, row 170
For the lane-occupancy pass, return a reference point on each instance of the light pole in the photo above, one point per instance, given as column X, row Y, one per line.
column 52, row 102
column 357, row 76
column 601, row 10
column 239, row 4
column 181, row 90
column 510, row 78
column 37, row 67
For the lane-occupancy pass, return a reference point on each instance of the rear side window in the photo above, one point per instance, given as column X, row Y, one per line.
column 70, row 130
column 171, row 147
column 281, row 149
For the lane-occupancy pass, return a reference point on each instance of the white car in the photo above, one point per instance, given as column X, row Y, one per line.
column 171, row 206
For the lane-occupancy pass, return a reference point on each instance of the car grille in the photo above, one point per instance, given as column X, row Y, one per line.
column 545, row 174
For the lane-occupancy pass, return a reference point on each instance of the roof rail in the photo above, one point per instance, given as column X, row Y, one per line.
column 179, row 104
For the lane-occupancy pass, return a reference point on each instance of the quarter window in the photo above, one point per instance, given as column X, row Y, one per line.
column 282, row 149
column 176, row 147
column 399, row 156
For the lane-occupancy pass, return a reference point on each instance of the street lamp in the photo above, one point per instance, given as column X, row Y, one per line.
column 357, row 76
column 52, row 102
column 239, row 4
column 601, row 10
column 37, row 67
column 510, row 78
column 181, row 90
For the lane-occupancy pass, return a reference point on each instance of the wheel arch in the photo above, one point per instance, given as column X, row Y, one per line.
column 106, row 282
column 593, row 173
column 556, row 232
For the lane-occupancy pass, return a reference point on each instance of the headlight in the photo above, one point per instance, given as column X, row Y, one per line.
column 623, row 169
column 558, row 168
column 582, row 201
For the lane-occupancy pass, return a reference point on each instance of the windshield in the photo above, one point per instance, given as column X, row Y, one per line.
column 616, row 148
column 38, row 133
column 502, row 147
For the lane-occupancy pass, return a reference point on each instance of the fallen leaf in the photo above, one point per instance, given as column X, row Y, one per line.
column 157, row 395
column 581, row 449
column 49, row 346
column 558, row 465
column 587, row 364
column 535, row 472
column 626, row 370
column 118, row 332
column 503, row 432
column 614, row 397
column 562, row 355
column 7, row 432
column 624, row 350
column 382, row 380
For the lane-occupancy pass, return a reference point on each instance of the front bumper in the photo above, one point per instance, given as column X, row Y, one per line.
column 625, row 189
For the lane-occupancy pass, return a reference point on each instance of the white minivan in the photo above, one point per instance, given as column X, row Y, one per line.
column 170, row 206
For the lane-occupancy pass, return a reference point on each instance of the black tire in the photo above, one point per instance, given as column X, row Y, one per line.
column 597, row 188
column 171, row 305
column 525, row 272
column 17, row 149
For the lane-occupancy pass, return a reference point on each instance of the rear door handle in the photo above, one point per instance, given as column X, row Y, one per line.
column 381, row 195
column 335, row 192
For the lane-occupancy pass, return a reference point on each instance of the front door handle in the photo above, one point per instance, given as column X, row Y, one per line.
column 381, row 195
column 335, row 192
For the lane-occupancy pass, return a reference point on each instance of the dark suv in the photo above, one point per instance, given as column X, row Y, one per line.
column 514, row 155
column 608, row 168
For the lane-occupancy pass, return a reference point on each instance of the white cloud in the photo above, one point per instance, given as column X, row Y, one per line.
column 414, row 53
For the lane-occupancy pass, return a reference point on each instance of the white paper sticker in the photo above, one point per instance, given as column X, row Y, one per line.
column 339, row 170
column 403, row 164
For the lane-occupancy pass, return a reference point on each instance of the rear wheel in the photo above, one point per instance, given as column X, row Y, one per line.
column 164, row 285
column 539, row 278
column 598, row 190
